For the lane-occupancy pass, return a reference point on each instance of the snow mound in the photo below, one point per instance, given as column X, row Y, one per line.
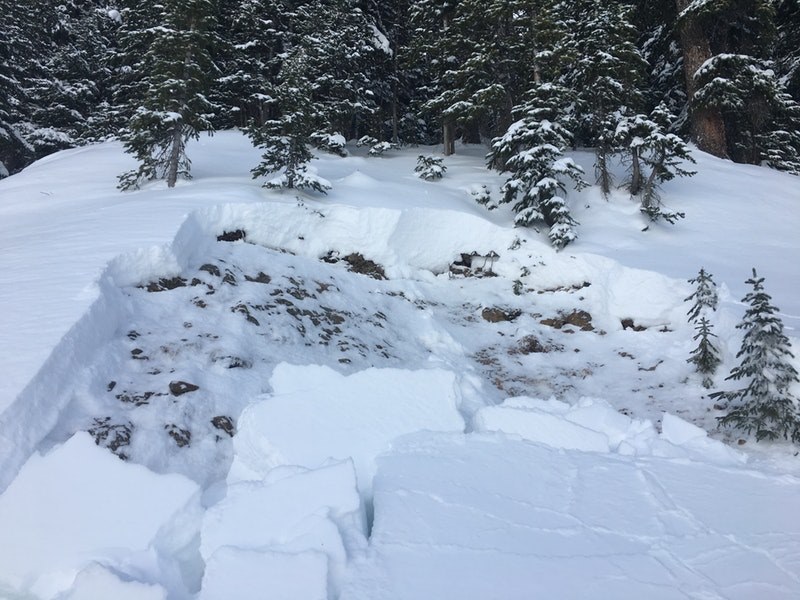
column 457, row 517
column 79, row 504
column 593, row 425
column 315, row 414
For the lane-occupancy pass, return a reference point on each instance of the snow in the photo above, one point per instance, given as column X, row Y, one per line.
column 248, row 575
column 315, row 414
column 291, row 424
column 96, row 582
column 78, row 504
column 314, row 515
column 456, row 517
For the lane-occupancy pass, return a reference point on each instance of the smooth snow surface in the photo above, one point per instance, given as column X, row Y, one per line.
column 458, row 517
column 386, row 392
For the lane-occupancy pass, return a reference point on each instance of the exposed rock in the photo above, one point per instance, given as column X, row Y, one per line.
column 577, row 318
column 178, row 388
column 223, row 423
column 260, row 278
column 111, row 435
column 166, row 283
column 629, row 324
column 364, row 266
column 498, row 315
column 232, row 236
column 182, row 437
column 211, row 269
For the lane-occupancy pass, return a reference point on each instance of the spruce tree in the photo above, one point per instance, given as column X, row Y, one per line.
column 705, row 297
column 766, row 406
column 252, row 36
column 705, row 356
column 287, row 136
column 24, row 46
column 605, row 75
column 654, row 156
column 531, row 151
column 166, row 100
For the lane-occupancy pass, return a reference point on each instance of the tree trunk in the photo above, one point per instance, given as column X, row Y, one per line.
column 448, row 135
column 175, row 152
column 708, row 128
column 603, row 175
column 636, row 172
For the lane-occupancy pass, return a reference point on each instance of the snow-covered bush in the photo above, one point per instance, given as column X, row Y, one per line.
column 430, row 168
column 379, row 148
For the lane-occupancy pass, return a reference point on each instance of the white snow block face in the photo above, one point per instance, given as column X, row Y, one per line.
column 255, row 575
column 79, row 504
column 681, row 439
column 316, row 414
column 539, row 426
column 592, row 425
column 293, row 511
column 487, row 516
column 98, row 583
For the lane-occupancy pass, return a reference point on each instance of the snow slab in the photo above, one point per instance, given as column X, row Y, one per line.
column 96, row 582
column 79, row 504
column 485, row 516
column 315, row 414
column 593, row 425
column 294, row 510
column 254, row 575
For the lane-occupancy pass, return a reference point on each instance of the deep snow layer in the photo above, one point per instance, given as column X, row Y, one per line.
column 306, row 424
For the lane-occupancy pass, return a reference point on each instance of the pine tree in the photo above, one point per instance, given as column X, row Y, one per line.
column 531, row 150
column 766, row 407
column 75, row 97
column 605, row 75
column 655, row 156
column 286, row 137
column 760, row 116
column 23, row 46
column 705, row 297
column 705, row 356
column 253, row 35
column 740, row 108
column 166, row 99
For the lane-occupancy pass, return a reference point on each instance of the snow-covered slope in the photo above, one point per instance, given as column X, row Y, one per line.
column 361, row 413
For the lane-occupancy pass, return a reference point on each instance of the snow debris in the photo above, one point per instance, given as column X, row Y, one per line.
column 78, row 504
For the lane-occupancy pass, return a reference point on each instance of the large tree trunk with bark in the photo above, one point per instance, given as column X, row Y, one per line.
column 708, row 128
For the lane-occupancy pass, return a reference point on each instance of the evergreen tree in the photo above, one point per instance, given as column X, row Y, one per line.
column 705, row 297
column 286, row 137
column 659, row 45
column 253, row 34
column 23, row 41
column 605, row 75
column 760, row 117
column 531, row 150
column 705, row 356
column 75, row 97
column 787, row 52
column 654, row 157
column 167, row 96
column 766, row 405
